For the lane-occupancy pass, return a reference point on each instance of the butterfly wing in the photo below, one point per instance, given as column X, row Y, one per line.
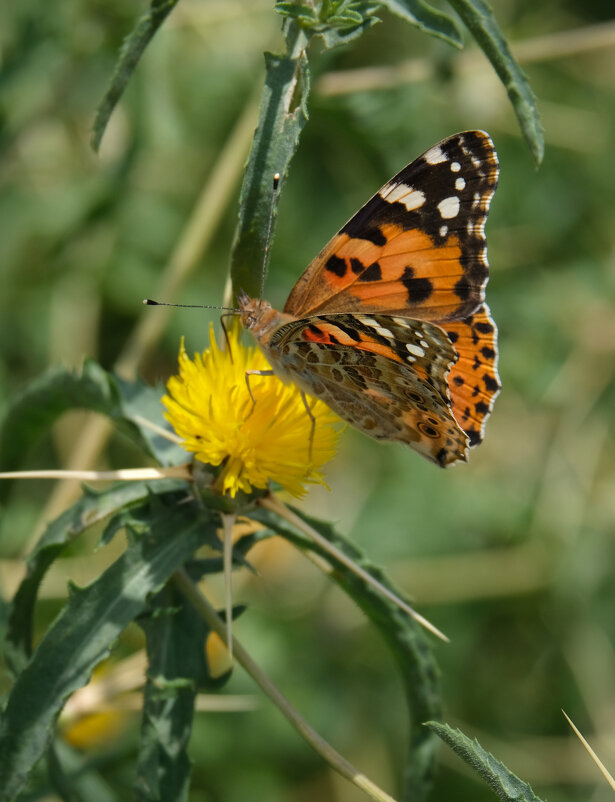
column 387, row 376
column 417, row 248
column 473, row 380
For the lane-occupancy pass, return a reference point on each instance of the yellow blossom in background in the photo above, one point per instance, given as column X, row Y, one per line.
column 209, row 406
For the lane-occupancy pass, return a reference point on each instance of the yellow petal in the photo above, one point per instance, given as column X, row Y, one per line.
column 210, row 408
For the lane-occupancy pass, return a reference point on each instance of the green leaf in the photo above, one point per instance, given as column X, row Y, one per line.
column 505, row 784
column 58, row 390
column 91, row 508
column 45, row 399
column 141, row 400
column 335, row 23
column 303, row 13
column 350, row 17
column 130, row 53
column 427, row 19
column 345, row 31
column 406, row 639
column 283, row 114
column 479, row 18
column 83, row 633
column 175, row 642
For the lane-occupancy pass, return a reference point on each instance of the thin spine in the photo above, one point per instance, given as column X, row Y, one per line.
column 274, row 195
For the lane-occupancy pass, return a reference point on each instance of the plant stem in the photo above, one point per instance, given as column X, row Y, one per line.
column 122, row 474
column 275, row 505
column 324, row 749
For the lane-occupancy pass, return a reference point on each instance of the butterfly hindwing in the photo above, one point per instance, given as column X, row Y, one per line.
column 417, row 248
column 474, row 382
column 384, row 375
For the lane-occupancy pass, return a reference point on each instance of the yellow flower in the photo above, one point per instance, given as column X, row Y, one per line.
column 209, row 406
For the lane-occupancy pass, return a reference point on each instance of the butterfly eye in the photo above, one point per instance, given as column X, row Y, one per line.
column 248, row 319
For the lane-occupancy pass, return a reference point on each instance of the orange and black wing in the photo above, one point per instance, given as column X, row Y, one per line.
column 473, row 381
column 386, row 376
column 417, row 248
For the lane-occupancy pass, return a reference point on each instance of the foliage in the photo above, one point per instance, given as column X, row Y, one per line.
column 505, row 784
column 164, row 537
column 131, row 52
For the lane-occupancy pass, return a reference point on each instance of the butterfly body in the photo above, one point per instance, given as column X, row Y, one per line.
column 388, row 325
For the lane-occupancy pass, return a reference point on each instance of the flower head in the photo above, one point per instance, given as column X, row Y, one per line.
column 257, row 441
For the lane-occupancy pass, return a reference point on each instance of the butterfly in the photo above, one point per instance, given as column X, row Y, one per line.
column 388, row 325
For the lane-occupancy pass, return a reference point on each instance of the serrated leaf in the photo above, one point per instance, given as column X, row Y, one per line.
column 349, row 17
column 82, row 635
column 283, row 114
column 479, row 18
column 282, row 117
column 91, row 508
column 406, row 639
column 130, row 53
column 342, row 34
column 326, row 17
column 427, row 19
column 45, row 399
column 299, row 11
column 175, row 644
column 58, row 390
column 505, row 784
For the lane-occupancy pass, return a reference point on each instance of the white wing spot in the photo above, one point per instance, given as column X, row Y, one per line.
column 424, row 344
column 455, row 167
column 460, row 183
column 402, row 193
column 401, row 321
column 415, row 350
column 369, row 321
column 443, row 231
column 384, row 332
column 435, row 155
column 449, row 207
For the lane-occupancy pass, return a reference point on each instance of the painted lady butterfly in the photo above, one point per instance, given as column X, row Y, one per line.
column 388, row 325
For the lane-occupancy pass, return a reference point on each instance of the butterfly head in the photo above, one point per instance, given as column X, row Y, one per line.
column 256, row 315
column 260, row 318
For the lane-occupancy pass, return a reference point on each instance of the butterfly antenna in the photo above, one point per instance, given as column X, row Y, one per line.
column 276, row 184
column 229, row 309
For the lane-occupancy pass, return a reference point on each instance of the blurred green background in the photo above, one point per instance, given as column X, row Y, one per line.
column 513, row 556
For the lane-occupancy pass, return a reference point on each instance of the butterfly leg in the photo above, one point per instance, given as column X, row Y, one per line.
column 249, row 373
column 306, row 404
column 313, row 422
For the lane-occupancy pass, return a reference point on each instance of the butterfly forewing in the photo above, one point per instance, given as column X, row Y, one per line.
column 417, row 248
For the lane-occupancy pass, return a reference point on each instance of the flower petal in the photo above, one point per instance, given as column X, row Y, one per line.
column 268, row 439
